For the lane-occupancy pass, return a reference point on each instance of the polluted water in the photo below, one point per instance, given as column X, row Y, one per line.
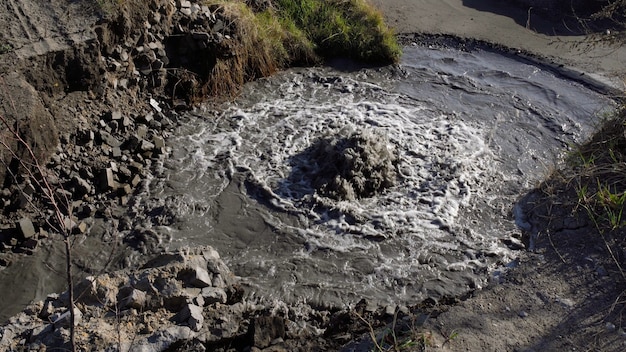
column 396, row 184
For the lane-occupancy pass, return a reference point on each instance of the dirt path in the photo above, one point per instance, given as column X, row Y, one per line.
column 514, row 26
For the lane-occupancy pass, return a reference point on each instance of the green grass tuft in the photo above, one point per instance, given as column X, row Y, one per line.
column 599, row 171
column 342, row 28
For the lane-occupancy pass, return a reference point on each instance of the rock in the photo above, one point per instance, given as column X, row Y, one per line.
column 142, row 132
column 81, row 187
column 108, row 139
column 38, row 332
column 265, row 329
column 155, row 105
column 132, row 298
column 107, row 180
column 27, row 229
column 146, row 146
column 115, row 115
column 390, row 310
column 213, row 295
column 63, row 320
column 200, row 278
column 159, row 142
column 30, row 244
column 192, row 316
column 135, row 181
column 82, row 227
column 522, row 314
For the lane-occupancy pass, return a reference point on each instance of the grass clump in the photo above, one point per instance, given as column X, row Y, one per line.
column 254, row 50
column 599, row 172
column 345, row 28
column 297, row 32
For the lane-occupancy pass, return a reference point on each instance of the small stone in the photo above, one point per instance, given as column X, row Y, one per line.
column 116, row 152
column 107, row 180
column 135, row 181
column 142, row 131
column 192, row 315
column 390, row 310
column 63, row 320
column 201, row 278
column 146, row 146
column 109, row 140
column 133, row 298
column 522, row 314
column 82, row 227
column 116, row 115
column 26, row 227
column 214, row 295
column 125, row 189
column 155, row 105
column 159, row 142
column 81, row 186
column 30, row 244
column 38, row 332
column 267, row 329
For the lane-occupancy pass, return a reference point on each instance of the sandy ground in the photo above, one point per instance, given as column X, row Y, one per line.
column 560, row 296
column 499, row 22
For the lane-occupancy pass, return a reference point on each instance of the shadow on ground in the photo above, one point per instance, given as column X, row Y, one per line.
column 545, row 21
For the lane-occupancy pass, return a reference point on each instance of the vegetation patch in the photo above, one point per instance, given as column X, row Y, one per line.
column 350, row 28
column 599, row 174
column 272, row 36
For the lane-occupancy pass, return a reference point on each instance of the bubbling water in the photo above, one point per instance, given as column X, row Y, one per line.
column 393, row 184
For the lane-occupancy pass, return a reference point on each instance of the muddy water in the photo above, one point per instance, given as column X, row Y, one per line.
column 471, row 133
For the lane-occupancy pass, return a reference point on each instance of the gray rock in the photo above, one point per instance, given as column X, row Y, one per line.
column 63, row 320
column 522, row 314
column 191, row 314
column 132, row 298
column 146, row 146
column 38, row 332
column 201, row 278
column 115, row 115
column 142, row 132
column 107, row 179
column 159, row 142
column 82, row 187
column 214, row 295
column 30, row 244
column 26, row 227
column 109, row 140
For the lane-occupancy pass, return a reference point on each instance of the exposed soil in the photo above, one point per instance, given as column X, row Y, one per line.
column 75, row 74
